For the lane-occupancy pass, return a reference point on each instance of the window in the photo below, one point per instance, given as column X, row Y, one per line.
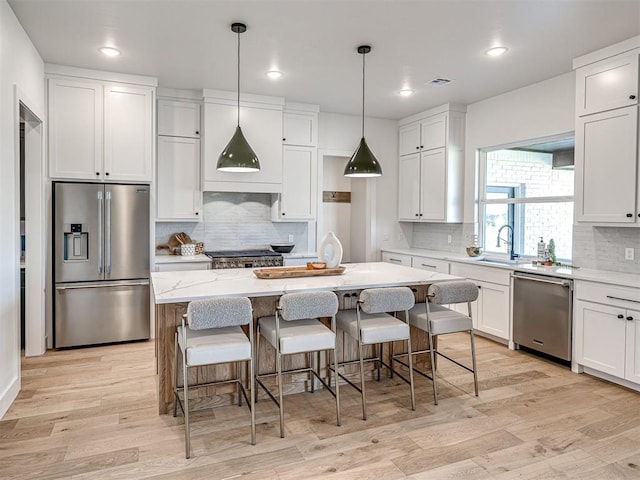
column 530, row 189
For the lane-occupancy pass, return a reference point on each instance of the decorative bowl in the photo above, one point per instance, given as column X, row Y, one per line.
column 282, row 247
column 316, row 265
column 474, row 251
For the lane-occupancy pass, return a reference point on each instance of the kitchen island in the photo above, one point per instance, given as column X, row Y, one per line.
column 172, row 291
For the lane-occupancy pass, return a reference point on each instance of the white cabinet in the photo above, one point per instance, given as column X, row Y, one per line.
column 396, row 258
column 297, row 202
column 431, row 264
column 607, row 84
column 179, row 197
column 75, row 129
column 300, row 128
column 606, row 168
column 100, row 131
column 606, row 152
column 607, row 329
column 183, row 266
column 431, row 166
column 491, row 312
column 261, row 123
column 128, row 133
column 178, row 119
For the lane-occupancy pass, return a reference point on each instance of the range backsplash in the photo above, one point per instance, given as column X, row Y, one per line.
column 601, row 248
column 236, row 220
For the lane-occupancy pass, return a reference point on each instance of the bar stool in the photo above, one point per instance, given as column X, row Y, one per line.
column 370, row 324
column 437, row 320
column 212, row 335
column 295, row 328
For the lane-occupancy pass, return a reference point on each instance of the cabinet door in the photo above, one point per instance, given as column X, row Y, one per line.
column 128, row 133
column 262, row 127
column 409, row 188
column 493, row 314
column 179, row 194
column 434, row 132
column 409, row 139
column 632, row 363
column 75, row 129
column 431, row 264
column 178, row 119
column 298, row 181
column 606, row 166
column 607, row 85
column 433, row 175
column 396, row 258
column 600, row 337
column 299, row 129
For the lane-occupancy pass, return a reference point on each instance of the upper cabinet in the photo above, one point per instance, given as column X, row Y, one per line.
column 431, row 165
column 607, row 174
column 300, row 125
column 178, row 118
column 100, row 130
column 261, row 123
column 607, row 84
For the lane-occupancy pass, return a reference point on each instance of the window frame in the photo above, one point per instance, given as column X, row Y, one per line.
column 516, row 204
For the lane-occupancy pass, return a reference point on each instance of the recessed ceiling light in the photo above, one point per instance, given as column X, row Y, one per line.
column 496, row 51
column 406, row 92
column 109, row 51
column 274, row 74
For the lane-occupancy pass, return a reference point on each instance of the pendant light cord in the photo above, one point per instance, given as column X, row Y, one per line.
column 363, row 55
column 238, row 78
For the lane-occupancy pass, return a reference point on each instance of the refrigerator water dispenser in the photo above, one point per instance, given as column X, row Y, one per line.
column 76, row 243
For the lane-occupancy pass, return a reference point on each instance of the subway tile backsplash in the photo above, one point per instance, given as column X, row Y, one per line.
column 601, row 248
column 235, row 221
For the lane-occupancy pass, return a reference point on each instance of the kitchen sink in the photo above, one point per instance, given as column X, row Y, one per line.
column 503, row 261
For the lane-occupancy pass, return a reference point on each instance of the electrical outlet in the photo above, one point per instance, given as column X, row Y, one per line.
column 449, row 239
column 290, row 238
column 628, row 253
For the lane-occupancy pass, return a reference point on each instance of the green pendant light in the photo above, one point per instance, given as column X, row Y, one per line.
column 238, row 156
column 363, row 163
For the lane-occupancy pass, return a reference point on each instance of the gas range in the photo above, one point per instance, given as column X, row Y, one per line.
column 244, row 258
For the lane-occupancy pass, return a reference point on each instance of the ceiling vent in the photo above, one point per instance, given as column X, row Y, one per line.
column 439, row 82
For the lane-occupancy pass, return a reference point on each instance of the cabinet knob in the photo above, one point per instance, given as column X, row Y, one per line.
column 418, row 148
column 197, row 132
column 630, row 318
column 620, row 316
column 421, row 146
column 629, row 215
column 283, row 214
column 479, row 287
column 98, row 174
column 632, row 97
column 196, row 213
column 106, row 173
column 417, row 214
column 420, row 214
column 284, row 139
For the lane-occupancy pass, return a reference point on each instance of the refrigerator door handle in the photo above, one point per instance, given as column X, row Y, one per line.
column 107, row 226
column 100, row 223
column 101, row 285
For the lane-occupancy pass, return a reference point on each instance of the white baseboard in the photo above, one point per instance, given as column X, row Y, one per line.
column 9, row 395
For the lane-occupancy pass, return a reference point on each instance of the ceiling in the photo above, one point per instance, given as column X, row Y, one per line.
column 189, row 45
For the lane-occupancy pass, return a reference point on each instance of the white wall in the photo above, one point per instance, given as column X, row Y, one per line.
column 21, row 68
column 542, row 109
column 342, row 133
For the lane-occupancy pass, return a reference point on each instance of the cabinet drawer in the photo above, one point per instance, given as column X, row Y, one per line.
column 397, row 258
column 432, row 264
column 485, row 274
column 182, row 266
column 608, row 294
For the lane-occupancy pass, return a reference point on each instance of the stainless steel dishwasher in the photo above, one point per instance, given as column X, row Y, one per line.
column 542, row 313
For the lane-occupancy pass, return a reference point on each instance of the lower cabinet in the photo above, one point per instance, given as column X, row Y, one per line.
column 397, row 258
column 607, row 330
column 491, row 312
column 183, row 266
column 432, row 264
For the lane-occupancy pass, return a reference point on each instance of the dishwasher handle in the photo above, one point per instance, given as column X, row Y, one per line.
column 535, row 278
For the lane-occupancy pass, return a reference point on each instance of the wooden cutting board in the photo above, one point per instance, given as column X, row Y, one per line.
column 292, row 272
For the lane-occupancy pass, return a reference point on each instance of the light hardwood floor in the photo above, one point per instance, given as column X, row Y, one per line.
column 92, row 414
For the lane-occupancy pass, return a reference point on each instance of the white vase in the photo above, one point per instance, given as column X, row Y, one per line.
column 330, row 250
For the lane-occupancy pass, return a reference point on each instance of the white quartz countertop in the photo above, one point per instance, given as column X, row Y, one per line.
column 300, row 255
column 175, row 287
column 593, row 275
column 181, row 259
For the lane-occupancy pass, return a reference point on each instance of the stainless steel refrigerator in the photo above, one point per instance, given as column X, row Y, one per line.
column 101, row 263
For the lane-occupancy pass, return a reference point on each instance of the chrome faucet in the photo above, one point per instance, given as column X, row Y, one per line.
column 512, row 255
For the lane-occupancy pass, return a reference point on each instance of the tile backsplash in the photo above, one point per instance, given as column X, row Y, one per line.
column 235, row 221
column 601, row 248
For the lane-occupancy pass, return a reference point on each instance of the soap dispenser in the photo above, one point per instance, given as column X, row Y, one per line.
column 542, row 247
